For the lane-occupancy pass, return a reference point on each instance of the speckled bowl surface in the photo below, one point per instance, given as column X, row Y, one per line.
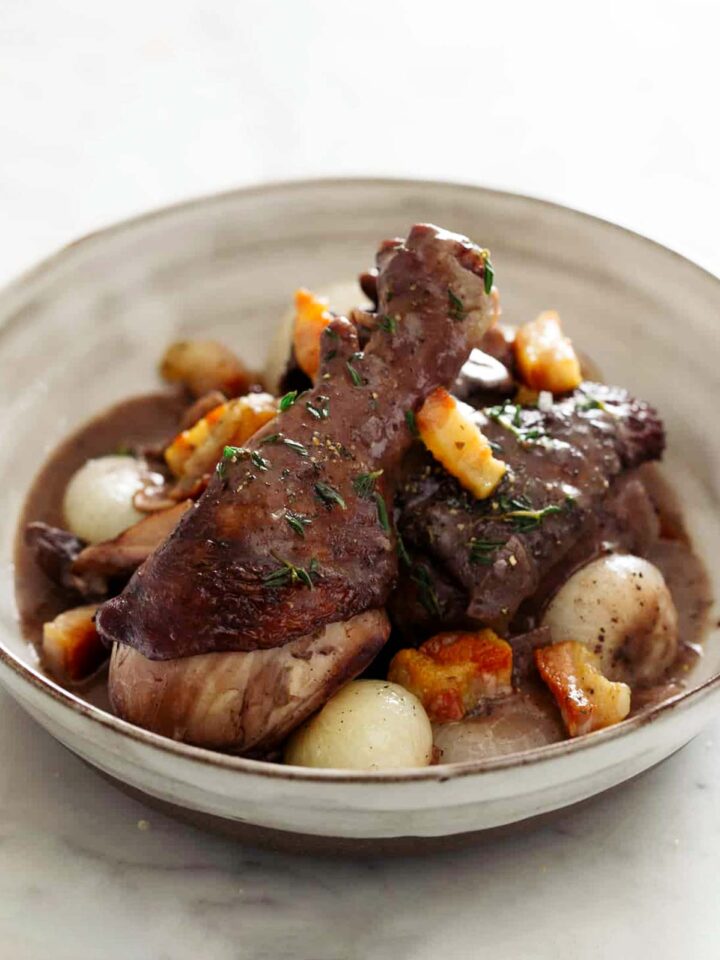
column 85, row 328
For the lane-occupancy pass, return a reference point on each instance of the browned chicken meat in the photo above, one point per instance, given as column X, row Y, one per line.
column 252, row 700
column 475, row 561
column 292, row 546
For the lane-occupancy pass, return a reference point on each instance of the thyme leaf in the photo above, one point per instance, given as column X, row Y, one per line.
column 297, row 522
column 230, row 452
column 488, row 272
column 387, row 323
column 304, row 576
column 297, row 447
column 457, row 307
column 261, row 462
column 411, row 423
column 509, row 416
column 402, row 552
column 382, row 513
column 278, row 577
column 241, row 453
column 287, row 401
column 292, row 444
column 482, row 551
column 420, row 575
column 591, row 402
column 354, row 375
column 329, row 495
column 320, row 409
column 364, row 483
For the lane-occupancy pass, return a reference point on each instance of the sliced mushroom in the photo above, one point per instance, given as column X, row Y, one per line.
column 124, row 554
column 55, row 552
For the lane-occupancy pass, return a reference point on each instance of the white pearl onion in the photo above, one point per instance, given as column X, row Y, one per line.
column 98, row 503
column 620, row 607
column 368, row 725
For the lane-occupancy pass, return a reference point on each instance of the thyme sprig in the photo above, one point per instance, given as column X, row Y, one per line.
column 288, row 573
column 364, row 483
column 509, row 416
column 520, row 513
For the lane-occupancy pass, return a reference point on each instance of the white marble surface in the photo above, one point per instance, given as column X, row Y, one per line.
column 110, row 109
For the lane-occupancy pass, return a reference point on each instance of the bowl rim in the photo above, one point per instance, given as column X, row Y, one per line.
column 67, row 699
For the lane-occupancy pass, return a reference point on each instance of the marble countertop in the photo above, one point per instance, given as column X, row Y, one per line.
column 107, row 111
column 86, row 872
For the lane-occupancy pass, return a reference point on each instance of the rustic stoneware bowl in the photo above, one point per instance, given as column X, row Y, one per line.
column 86, row 327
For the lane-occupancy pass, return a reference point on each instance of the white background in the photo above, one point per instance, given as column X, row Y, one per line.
column 107, row 109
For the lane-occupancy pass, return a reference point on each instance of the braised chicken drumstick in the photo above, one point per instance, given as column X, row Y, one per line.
column 286, row 562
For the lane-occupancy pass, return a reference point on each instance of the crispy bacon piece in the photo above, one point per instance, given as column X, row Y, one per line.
column 449, row 432
column 71, row 647
column 453, row 672
column 195, row 451
column 587, row 700
column 545, row 357
column 312, row 315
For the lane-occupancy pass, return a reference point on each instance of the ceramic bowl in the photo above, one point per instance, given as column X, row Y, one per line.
column 86, row 327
